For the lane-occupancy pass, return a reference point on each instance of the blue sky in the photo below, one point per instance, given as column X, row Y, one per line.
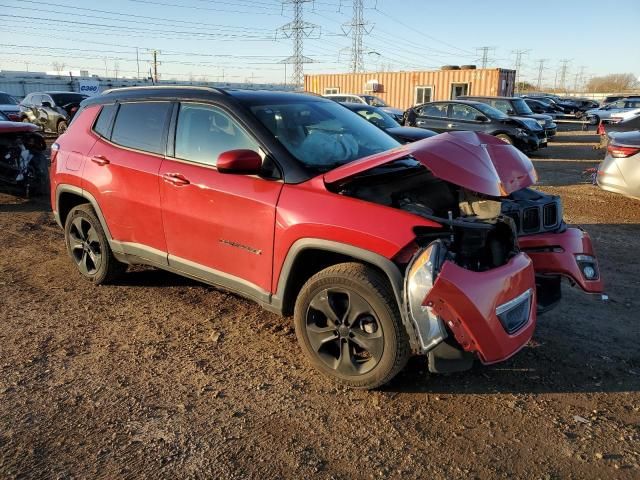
column 237, row 40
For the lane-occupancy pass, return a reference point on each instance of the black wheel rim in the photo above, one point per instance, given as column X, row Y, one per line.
column 85, row 246
column 344, row 331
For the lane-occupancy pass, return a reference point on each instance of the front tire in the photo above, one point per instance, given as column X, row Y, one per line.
column 61, row 127
column 88, row 246
column 594, row 120
column 349, row 327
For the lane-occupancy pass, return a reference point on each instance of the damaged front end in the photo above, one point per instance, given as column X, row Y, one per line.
column 470, row 291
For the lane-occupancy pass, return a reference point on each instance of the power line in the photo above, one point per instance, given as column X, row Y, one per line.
column 518, row 65
column 484, row 60
column 357, row 28
column 298, row 29
column 540, row 70
column 563, row 73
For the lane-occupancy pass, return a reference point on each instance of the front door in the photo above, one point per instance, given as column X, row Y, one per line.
column 464, row 117
column 218, row 226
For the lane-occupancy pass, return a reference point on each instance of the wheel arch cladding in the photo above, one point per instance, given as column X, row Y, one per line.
column 70, row 196
column 306, row 257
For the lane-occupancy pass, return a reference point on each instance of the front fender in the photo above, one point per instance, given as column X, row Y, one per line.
column 555, row 254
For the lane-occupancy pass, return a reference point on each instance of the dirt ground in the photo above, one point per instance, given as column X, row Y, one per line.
column 163, row 377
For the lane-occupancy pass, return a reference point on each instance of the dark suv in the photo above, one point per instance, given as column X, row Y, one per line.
column 449, row 116
column 378, row 250
column 52, row 111
column 516, row 107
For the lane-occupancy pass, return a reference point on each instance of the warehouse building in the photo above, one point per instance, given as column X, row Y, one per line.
column 404, row 89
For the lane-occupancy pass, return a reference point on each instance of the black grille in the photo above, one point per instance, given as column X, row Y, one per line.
column 531, row 220
column 550, row 215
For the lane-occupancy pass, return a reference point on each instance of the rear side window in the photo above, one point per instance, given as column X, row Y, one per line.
column 103, row 124
column 141, row 126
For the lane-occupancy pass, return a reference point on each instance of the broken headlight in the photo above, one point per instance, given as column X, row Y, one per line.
column 421, row 274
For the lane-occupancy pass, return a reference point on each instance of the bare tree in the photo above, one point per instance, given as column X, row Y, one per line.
column 58, row 67
column 616, row 82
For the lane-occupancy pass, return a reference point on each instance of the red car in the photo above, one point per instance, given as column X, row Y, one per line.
column 379, row 250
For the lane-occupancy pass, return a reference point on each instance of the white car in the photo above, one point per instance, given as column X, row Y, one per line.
column 626, row 115
column 372, row 100
column 612, row 110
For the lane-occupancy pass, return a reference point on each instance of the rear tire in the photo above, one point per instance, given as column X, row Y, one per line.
column 505, row 138
column 88, row 246
column 349, row 327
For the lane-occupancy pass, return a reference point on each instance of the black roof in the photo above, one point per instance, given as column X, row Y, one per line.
column 490, row 96
column 198, row 93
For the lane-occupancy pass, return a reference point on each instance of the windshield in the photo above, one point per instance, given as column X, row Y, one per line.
column 62, row 99
column 521, row 107
column 374, row 101
column 320, row 134
column 6, row 99
column 378, row 117
column 491, row 112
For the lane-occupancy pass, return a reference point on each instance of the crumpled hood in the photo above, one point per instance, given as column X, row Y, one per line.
column 476, row 161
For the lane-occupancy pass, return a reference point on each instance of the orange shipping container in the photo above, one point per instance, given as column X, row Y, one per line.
column 404, row 89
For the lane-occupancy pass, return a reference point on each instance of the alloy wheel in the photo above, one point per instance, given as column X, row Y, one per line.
column 344, row 331
column 85, row 246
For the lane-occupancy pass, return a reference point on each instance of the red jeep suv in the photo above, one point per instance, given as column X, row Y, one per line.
column 379, row 250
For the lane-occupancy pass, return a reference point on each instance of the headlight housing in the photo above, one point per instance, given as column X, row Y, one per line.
column 588, row 267
column 421, row 274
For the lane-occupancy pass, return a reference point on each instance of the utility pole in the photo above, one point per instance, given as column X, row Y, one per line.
column 137, row 64
column 563, row 73
column 519, row 54
column 357, row 28
column 154, row 63
column 485, row 55
column 297, row 29
column 540, row 70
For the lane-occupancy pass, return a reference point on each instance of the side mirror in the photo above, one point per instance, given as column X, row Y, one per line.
column 481, row 118
column 511, row 111
column 47, row 104
column 245, row 162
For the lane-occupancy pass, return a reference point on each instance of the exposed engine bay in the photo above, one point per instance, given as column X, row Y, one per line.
column 478, row 235
column 22, row 159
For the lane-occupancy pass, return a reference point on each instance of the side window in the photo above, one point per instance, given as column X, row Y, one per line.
column 204, row 132
column 331, row 90
column 47, row 98
column 633, row 104
column 501, row 105
column 36, row 100
column 103, row 123
column 463, row 112
column 439, row 110
column 141, row 126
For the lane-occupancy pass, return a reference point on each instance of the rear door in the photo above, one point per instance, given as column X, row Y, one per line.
column 122, row 174
column 433, row 116
column 218, row 226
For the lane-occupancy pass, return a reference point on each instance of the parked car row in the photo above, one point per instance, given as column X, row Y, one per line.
column 525, row 132
column 51, row 111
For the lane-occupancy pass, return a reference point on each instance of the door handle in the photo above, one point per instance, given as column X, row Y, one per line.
column 175, row 179
column 451, row 125
column 100, row 160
